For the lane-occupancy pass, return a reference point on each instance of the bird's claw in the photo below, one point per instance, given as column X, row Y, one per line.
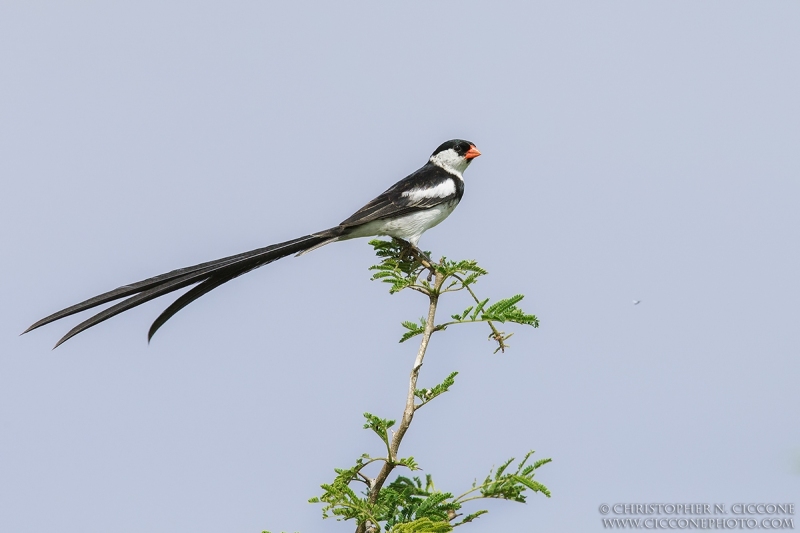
column 411, row 251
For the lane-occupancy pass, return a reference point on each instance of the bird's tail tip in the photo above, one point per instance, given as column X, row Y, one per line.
column 30, row 328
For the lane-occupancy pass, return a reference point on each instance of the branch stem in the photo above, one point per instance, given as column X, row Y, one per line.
column 408, row 412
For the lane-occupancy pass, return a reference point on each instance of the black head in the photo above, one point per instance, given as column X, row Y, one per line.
column 460, row 146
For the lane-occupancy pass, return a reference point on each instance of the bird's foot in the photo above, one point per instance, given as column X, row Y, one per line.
column 410, row 250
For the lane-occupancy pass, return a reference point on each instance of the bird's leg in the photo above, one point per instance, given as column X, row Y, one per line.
column 407, row 248
column 425, row 261
column 419, row 256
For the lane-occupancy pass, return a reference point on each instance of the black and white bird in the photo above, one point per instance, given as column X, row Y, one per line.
column 405, row 211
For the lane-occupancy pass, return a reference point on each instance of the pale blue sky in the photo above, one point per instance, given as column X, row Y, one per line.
column 632, row 150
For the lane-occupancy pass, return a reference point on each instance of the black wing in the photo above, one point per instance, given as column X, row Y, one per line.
column 394, row 203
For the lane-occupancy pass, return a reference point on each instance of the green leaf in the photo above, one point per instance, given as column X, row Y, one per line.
column 471, row 517
column 414, row 329
column 502, row 305
column 426, row 395
column 422, row 525
column 535, row 486
column 460, row 317
column 409, row 463
column 506, row 311
column 479, row 308
column 380, row 426
column 512, row 486
column 406, row 500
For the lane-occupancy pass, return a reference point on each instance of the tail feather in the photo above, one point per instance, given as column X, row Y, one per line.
column 130, row 303
column 127, row 290
column 211, row 283
column 212, row 274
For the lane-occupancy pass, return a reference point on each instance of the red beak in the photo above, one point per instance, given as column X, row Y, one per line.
column 472, row 153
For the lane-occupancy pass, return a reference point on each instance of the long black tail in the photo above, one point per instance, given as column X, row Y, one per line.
column 209, row 275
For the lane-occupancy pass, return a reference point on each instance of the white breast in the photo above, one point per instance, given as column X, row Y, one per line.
column 409, row 228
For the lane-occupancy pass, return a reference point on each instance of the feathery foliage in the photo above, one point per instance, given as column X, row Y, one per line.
column 426, row 395
column 411, row 504
column 403, row 267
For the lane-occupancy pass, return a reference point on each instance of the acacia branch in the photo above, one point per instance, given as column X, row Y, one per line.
column 408, row 412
